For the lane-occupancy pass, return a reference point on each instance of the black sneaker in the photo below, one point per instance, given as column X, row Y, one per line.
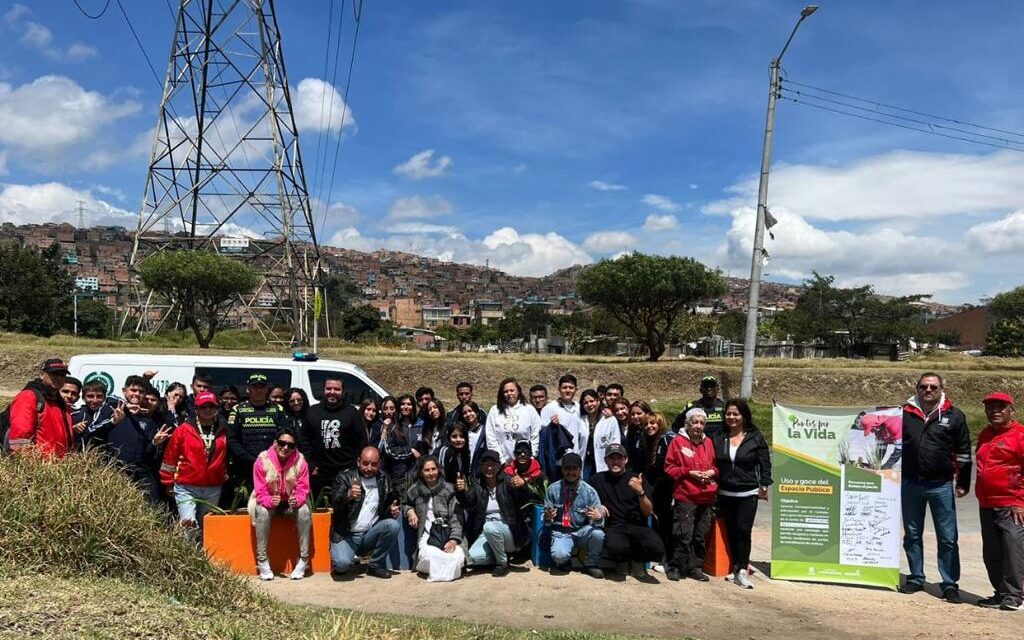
column 673, row 574
column 952, row 596
column 699, row 576
column 1010, row 605
column 991, row 602
column 594, row 572
column 561, row 568
column 378, row 572
column 500, row 570
column 911, row 587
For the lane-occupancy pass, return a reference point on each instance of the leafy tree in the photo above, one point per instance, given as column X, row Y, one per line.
column 203, row 284
column 646, row 293
column 1006, row 339
column 479, row 333
column 732, row 325
column 521, row 322
column 35, row 290
column 691, row 327
column 1008, row 304
column 94, row 318
column 360, row 322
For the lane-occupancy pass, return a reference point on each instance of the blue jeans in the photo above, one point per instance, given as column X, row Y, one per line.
column 492, row 546
column 915, row 496
column 564, row 544
column 377, row 541
column 194, row 502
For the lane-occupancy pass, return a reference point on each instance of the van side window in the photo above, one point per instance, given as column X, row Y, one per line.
column 238, row 376
column 355, row 389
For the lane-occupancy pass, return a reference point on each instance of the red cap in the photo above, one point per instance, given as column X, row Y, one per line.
column 998, row 396
column 206, row 397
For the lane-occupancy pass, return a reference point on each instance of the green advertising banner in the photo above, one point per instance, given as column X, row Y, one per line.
column 836, row 499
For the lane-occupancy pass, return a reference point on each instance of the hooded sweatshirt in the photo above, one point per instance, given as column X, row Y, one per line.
column 937, row 445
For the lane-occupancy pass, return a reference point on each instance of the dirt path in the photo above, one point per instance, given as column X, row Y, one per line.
column 535, row 600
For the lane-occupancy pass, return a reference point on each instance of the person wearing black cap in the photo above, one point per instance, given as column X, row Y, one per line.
column 710, row 403
column 252, row 428
column 495, row 525
column 574, row 512
column 626, row 499
column 38, row 416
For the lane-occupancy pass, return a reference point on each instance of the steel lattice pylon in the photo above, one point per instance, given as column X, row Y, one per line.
column 225, row 172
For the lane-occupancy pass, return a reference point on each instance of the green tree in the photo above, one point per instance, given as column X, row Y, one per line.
column 360, row 322
column 1006, row 335
column 732, row 325
column 94, row 318
column 646, row 293
column 691, row 327
column 203, row 284
column 35, row 290
column 479, row 333
column 1008, row 304
column 521, row 322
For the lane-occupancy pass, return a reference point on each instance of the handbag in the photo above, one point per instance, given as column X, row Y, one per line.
column 440, row 534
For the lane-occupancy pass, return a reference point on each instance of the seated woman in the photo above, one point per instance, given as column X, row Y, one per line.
column 280, row 481
column 494, row 515
column 432, row 509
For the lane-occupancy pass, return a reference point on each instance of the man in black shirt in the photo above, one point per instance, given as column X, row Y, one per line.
column 626, row 499
column 334, row 436
column 710, row 403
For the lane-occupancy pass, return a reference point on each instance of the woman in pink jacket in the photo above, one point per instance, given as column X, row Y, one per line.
column 280, row 481
column 690, row 462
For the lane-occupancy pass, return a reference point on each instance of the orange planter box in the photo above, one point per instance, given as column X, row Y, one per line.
column 717, row 561
column 231, row 541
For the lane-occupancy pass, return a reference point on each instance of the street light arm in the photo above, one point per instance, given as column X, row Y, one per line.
column 778, row 59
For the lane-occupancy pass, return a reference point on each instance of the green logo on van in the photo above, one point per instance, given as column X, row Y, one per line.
column 103, row 377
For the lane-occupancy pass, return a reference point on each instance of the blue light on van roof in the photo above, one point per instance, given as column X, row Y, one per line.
column 303, row 356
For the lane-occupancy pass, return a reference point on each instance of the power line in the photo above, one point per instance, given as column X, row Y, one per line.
column 321, row 159
column 896, row 124
column 903, row 109
column 345, row 99
column 138, row 41
column 323, row 95
column 89, row 15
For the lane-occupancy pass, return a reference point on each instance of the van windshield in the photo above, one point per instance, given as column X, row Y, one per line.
column 356, row 390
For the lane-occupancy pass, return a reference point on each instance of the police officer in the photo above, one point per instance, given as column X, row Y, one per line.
column 712, row 405
column 252, row 426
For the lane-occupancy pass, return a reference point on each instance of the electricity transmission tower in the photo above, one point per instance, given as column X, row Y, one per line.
column 225, row 173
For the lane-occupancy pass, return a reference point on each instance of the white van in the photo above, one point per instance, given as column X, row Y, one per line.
column 302, row 371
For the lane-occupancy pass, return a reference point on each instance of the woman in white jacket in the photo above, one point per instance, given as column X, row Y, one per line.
column 510, row 420
column 608, row 431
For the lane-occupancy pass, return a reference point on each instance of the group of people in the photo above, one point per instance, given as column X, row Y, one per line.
column 413, row 486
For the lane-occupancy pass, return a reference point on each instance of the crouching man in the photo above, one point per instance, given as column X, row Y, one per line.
column 364, row 519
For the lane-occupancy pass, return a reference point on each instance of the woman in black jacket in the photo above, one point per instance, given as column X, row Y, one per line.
column 495, row 523
column 744, row 474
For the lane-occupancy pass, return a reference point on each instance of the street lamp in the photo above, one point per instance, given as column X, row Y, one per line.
column 757, row 260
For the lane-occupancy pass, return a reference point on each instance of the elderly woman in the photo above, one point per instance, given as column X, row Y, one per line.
column 690, row 462
column 280, row 481
column 432, row 509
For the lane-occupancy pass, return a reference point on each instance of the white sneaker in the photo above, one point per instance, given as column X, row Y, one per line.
column 742, row 580
column 657, row 566
column 300, row 570
column 266, row 573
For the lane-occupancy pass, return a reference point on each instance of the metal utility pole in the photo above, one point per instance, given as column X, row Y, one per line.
column 226, row 173
column 757, row 261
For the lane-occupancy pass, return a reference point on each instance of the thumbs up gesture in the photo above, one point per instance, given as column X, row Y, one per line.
column 636, row 483
column 460, row 483
column 355, row 492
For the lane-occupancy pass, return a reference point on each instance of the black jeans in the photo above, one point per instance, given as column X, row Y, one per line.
column 1002, row 549
column 623, row 542
column 690, row 526
column 738, row 517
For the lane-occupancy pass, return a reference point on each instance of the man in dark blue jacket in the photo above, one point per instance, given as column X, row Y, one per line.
column 936, row 467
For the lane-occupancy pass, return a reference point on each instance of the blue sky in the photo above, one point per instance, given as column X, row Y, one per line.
column 535, row 135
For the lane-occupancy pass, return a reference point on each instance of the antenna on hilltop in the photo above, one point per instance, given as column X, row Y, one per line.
column 226, row 171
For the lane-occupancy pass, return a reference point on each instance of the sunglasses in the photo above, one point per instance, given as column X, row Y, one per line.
column 284, row 444
column 928, row 387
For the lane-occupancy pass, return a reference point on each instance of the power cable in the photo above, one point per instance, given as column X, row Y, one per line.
column 348, row 84
column 321, row 161
column 89, row 15
column 138, row 41
column 323, row 96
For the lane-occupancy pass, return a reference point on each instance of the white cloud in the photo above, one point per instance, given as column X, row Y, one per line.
column 3, row 162
column 655, row 222
column 661, row 203
column 319, row 106
column 48, row 117
column 422, row 165
column 694, row 186
column 601, row 185
column 519, row 168
column 1005, row 235
column 335, row 214
column 894, row 261
column 523, row 254
column 901, row 184
column 38, row 36
column 418, row 207
column 422, row 227
column 610, row 241
column 56, row 202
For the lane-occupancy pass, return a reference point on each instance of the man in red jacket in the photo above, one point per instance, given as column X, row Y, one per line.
column 1001, row 501
column 40, row 418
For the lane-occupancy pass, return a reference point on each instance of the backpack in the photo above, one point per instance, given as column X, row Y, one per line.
column 5, row 421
